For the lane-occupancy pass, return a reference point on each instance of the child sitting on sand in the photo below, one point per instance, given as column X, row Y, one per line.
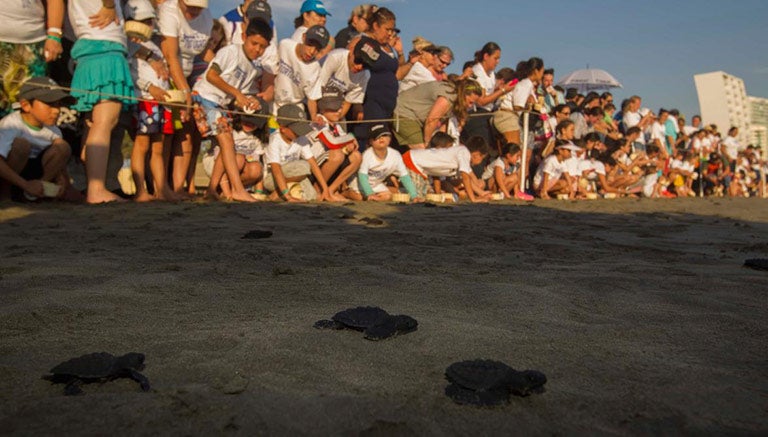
column 229, row 76
column 503, row 173
column 32, row 150
column 379, row 163
column 290, row 161
column 443, row 159
column 552, row 176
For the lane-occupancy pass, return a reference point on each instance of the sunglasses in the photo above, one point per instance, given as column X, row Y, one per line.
column 444, row 62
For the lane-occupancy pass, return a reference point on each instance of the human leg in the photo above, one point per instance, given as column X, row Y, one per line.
column 104, row 118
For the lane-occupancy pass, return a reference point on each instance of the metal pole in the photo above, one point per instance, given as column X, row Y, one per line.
column 524, row 164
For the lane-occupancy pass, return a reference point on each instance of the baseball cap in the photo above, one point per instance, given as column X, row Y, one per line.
column 314, row 6
column 139, row 10
column 258, row 118
column 319, row 35
column 289, row 116
column 46, row 90
column 378, row 130
column 366, row 53
column 259, row 9
column 331, row 100
column 196, row 3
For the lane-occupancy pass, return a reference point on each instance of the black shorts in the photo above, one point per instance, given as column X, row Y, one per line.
column 34, row 168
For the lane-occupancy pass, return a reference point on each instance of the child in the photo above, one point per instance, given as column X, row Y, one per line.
column 32, row 150
column 248, row 132
column 503, row 174
column 333, row 149
column 342, row 70
column 298, row 69
column 379, row 162
column 443, row 159
column 153, row 119
column 230, row 74
column 290, row 161
column 552, row 175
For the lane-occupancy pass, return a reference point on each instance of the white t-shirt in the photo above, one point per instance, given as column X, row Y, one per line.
column 379, row 170
column 279, row 151
column 732, row 146
column 573, row 166
column 79, row 12
column 487, row 81
column 141, row 70
column 295, row 78
column 489, row 170
column 442, row 162
column 632, row 119
column 298, row 34
column 523, row 90
column 593, row 168
column 28, row 18
column 13, row 126
column 335, row 73
column 233, row 31
column 552, row 167
column 192, row 35
column 417, row 75
column 247, row 144
column 659, row 132
column 236, row 70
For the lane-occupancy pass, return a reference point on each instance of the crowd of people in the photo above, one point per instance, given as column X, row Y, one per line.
column 318, row 117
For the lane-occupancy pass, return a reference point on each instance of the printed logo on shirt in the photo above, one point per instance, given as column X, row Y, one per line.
column 287, row 70
column 335, row 82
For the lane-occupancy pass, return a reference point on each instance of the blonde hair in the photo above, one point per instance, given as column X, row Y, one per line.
column 419, row 43
column 363, row 11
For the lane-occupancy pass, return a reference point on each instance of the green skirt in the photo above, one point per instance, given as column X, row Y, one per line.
column 102, row 73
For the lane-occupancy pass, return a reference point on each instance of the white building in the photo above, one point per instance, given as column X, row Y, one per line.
column 758, row 108
column 723, row 101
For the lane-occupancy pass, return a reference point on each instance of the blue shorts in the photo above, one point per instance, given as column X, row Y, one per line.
column 210, row 118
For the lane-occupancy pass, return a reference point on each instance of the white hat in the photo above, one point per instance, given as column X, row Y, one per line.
column 196, row 3
column 572, row 147
column 139, row 10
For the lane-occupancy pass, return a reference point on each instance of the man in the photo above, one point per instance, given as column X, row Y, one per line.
column 552, row 97
column 632, row 118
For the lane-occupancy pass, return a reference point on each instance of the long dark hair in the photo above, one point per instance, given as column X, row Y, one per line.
column 381, row 16
column 488, row 49
column 525, row 68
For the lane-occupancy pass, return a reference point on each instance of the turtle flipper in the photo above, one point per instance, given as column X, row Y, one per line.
column 141, row 379
column 73, row 387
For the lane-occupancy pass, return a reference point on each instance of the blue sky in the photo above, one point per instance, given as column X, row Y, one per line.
column 653, row 47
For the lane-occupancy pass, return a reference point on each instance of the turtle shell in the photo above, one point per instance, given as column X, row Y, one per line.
column 256, row 235
column 527, row 382
column 484, row 398
column 479, row 374
column 757, row 263
column 96, row 365
column 391, row 326
column 361, row 318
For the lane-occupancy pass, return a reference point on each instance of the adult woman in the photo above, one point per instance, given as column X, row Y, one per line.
column 507, row 119
column 185, row 26
column 425, row 54
column 27, row 45
column 357, row 24
column 102, row 83
column 485, row 63
column 442, row 60
column 386, row 62
column 422, row 109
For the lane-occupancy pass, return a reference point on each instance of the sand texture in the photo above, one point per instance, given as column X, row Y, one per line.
column 638, row 311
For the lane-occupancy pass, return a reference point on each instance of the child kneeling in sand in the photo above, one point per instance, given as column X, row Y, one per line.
column 229, row 76
column 289, row 161
column 32, row 150
column 503, row 174
column 443, row 159
column 379, row 163
column 552, row 177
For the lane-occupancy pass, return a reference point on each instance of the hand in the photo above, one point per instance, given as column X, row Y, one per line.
column 52, row 50
column 157, row 93
column 291, row 199
column 396, row 43
column 160, row 68
column 352, row 147
column 103, row 18
column 34, row 187
column 319, row 120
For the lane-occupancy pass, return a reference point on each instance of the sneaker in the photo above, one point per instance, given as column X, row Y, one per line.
column 524, row 196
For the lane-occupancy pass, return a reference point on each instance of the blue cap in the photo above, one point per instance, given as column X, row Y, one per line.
column 314, row 6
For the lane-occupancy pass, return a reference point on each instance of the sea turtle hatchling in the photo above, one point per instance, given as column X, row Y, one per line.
column 98, row 367
column 375, row 322
column 488, row 382
column 757, row 263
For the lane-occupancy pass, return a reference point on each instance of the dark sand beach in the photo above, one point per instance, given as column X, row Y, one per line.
column 638, row 311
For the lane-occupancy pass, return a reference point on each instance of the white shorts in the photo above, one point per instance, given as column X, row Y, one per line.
column 355, row 186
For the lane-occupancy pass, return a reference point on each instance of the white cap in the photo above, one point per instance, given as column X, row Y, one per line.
column 196, row 3
column 139, row 10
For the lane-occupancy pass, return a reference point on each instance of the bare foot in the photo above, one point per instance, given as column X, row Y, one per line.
column 243, row 196
column 143, row 197
column 336, row 197
column 167, row 195
column 211, row 195
column 102, row 197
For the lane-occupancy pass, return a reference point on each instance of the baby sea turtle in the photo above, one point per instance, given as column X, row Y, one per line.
column 98, row 367
column 488, row 382
column 375, row 322
column 757, row 263
column 256, row 235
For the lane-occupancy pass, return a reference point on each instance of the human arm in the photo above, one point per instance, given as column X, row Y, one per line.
column 106, row 15
column 170, row 48
column 475, row 195
column 281, row 186
column 241, row 100
column 439, row 109
column 324, row 194
column 55, row 20
column 408, row 184
column 33, row 187
column 487, row 99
